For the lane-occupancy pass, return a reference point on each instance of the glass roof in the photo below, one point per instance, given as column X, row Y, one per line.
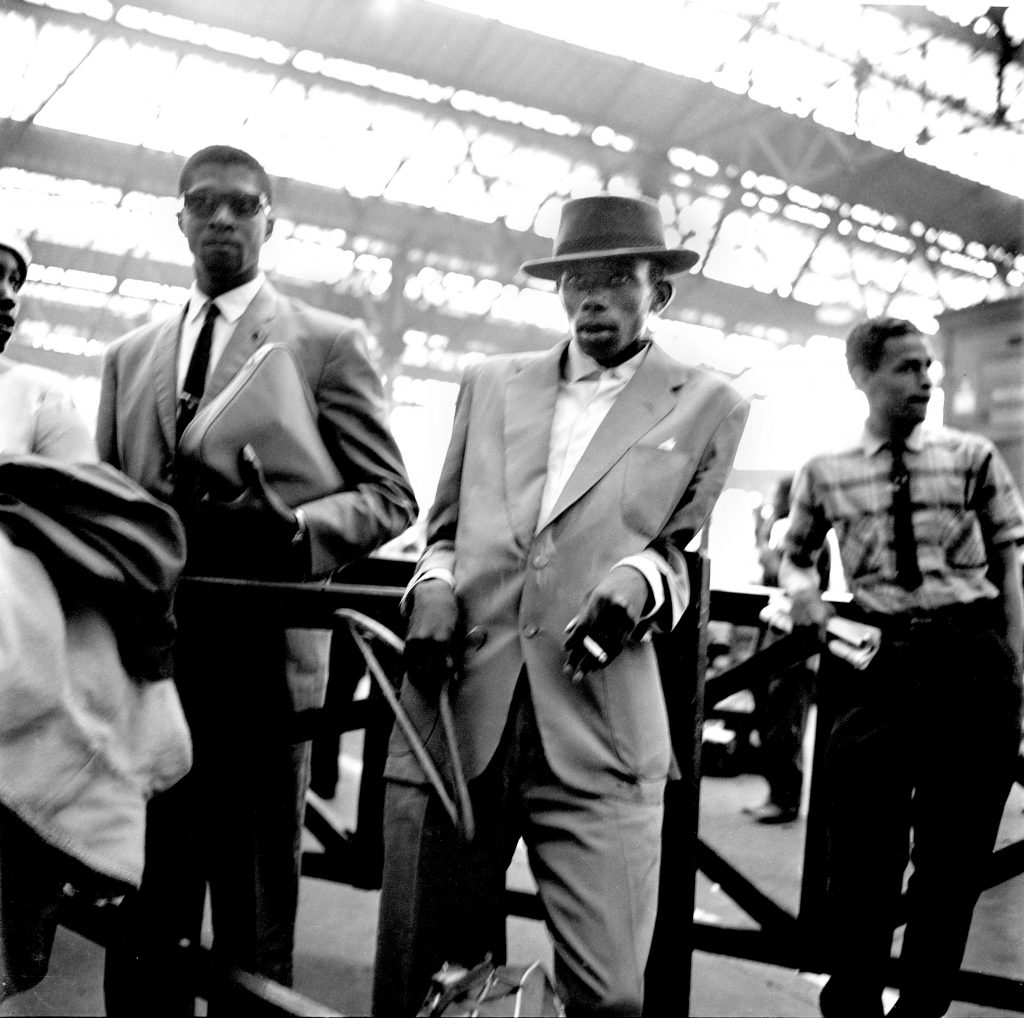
column 372, row 134
column 752, row 230
column 857, row 68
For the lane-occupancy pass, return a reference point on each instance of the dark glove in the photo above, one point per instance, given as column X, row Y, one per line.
column 430, row 637
column 259, row 499
column 608, row 619
column 256, row 535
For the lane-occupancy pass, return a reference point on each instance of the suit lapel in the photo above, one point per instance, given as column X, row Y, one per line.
column 529, row 406
column 165, row 375
column 649, row 396
column 250, row 332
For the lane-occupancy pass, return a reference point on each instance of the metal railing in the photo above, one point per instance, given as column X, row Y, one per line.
column 783, row 937
column 787, row 938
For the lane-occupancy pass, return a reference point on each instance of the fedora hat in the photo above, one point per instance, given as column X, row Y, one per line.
column 609, row 226
column 14, row 243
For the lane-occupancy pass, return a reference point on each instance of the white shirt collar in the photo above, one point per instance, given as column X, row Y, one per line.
column 578, row 365
column 232, row 304
column 872, row 443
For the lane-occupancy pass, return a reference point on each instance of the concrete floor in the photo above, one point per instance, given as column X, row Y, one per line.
column 336, row 928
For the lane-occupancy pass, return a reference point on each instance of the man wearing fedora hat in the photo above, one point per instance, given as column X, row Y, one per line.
column 574, row 479
column 37, row 413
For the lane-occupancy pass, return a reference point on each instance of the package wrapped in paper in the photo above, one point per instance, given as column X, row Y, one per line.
column 851, row 641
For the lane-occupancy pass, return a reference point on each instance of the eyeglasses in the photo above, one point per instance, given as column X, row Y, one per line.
column 242, row 204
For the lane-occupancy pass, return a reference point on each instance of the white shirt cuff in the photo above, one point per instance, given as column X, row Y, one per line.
column 662, row 581
column 434, row 573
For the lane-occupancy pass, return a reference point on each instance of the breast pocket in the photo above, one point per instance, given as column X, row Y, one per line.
column 653, row 482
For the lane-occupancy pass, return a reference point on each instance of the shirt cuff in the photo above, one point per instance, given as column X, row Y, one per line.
column 664, row 583
column 434, row 573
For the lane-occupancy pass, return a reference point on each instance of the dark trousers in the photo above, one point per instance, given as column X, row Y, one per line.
column 924, row 741
column 33, row 876
column 233, row 824
column 346, row 669
column 781, row 706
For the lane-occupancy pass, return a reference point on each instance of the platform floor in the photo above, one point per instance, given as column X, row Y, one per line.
column 337, row 923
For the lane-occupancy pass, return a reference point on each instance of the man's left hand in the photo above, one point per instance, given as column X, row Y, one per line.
column 260, row 501
column 611, row 613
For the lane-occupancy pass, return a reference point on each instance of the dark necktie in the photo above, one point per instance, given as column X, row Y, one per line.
column 908, row 574
column 195, row 377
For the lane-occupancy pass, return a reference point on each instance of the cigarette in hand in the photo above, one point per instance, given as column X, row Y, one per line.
column 595, row 650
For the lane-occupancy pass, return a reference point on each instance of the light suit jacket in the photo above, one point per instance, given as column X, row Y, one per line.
column 648, row 479
column 136, row 432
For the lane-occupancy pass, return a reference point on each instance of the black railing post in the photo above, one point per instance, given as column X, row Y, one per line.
column 811, row 916
column 681, row 659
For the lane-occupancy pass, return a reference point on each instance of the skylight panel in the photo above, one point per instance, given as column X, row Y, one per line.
column 101, row 10
column 114, row 94
column 186, row 119
column 35, row 62
column 743, row 53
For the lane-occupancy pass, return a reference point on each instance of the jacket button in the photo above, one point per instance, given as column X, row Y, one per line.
column 531, row 629
column 540, row 561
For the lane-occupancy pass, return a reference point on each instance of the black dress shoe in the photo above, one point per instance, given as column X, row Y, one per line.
column 771, row 813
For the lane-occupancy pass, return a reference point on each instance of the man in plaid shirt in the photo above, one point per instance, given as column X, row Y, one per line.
column 928, row 522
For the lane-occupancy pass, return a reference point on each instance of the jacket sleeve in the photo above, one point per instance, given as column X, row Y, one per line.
column 377, row 502
column 443, row 519
column 694, row 508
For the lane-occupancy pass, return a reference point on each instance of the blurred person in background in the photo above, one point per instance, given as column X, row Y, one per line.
column 781, row 703
column 37, row 413
column 235, row 823
column 926, row 738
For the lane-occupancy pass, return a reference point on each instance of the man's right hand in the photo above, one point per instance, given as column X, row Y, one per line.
column 430, row 636
column 809, row 611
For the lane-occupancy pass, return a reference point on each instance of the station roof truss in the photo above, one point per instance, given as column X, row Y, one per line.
column 827, row 161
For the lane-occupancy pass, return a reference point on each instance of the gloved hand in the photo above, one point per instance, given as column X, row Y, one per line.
column 430, row 636
column 259, row 500
column 258, row 508
column 610, row 614
column 255, row 535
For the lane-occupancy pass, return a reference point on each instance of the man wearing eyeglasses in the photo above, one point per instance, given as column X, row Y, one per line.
column 235, row 824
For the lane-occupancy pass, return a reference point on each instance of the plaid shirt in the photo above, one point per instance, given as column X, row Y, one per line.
column 963, row 499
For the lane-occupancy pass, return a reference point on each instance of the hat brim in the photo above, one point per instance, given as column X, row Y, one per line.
column 551, row 268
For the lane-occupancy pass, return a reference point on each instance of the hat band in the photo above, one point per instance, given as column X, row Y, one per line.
column 609, row 242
